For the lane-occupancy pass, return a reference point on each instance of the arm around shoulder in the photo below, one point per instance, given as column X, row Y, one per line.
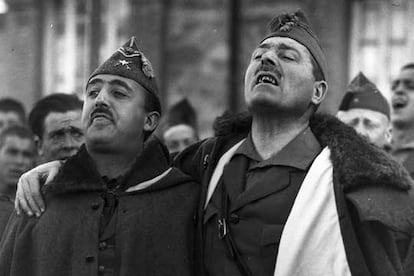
column 190, row 160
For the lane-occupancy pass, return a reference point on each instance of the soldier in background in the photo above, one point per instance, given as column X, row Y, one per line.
column 11, row 113
column 180, row 129
column 56, row 122
column 402, row 102
column 366, row 110
column 17, row 155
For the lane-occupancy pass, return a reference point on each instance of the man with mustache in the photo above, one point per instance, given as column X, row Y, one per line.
column 116, row 207
column 284, row 191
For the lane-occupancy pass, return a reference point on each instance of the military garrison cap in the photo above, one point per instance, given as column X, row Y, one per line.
column 130, row 62
column 296, row 26
column 362, row 93
column 182, row 113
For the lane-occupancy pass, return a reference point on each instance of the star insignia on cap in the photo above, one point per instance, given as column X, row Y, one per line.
column 123, row 62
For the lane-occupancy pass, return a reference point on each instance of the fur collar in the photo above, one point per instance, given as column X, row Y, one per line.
column 79, row 172
column 355, row 161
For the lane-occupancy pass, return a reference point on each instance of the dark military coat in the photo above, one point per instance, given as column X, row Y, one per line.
column 406, row 247
column 6, row 208
column 153, row 226
column 373, row 196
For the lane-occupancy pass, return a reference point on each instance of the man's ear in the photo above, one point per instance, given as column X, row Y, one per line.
column 388, row 134
column 319, row 91
column 151, row 121
column 39, row 145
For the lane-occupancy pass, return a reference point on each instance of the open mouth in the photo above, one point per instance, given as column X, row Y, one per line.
column 267, row 78
column 399, row 102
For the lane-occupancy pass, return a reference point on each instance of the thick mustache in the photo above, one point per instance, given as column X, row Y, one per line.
column 99, row 111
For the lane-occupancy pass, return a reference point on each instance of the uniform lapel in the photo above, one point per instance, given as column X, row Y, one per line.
column 234, row 177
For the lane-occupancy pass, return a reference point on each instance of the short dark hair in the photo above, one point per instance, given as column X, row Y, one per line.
column 408, row 66
column 13, row 105
column 58, row 102
column 15, row 130
column 316, row 69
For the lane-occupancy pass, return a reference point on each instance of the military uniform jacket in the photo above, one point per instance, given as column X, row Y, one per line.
column 153, row 226
column 373, row 194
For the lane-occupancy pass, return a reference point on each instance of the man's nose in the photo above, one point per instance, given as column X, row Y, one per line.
column 268, row 58
column 399, row 88
column 20, row 159
column 102, row 98
column 361, row 130
column 70, row 142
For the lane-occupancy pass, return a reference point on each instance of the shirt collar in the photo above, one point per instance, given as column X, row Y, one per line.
column 298, row 153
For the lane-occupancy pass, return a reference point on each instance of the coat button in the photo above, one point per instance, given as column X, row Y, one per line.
column 101, row 269
column 102, row 245
column 89, row 259
column 234, row 218
column 205, row 161
column 95, row 206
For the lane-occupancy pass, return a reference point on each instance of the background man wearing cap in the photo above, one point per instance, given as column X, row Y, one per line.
column 287, row 192
column 180, row 128
column 366, row 110
column 116, row 207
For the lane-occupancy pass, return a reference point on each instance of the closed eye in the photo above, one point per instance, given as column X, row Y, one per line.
column 119, row 94
column 288, row 58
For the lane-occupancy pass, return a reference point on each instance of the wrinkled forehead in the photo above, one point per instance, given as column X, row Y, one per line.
column 277, row 42
column 116, row 80
column 62, row 120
